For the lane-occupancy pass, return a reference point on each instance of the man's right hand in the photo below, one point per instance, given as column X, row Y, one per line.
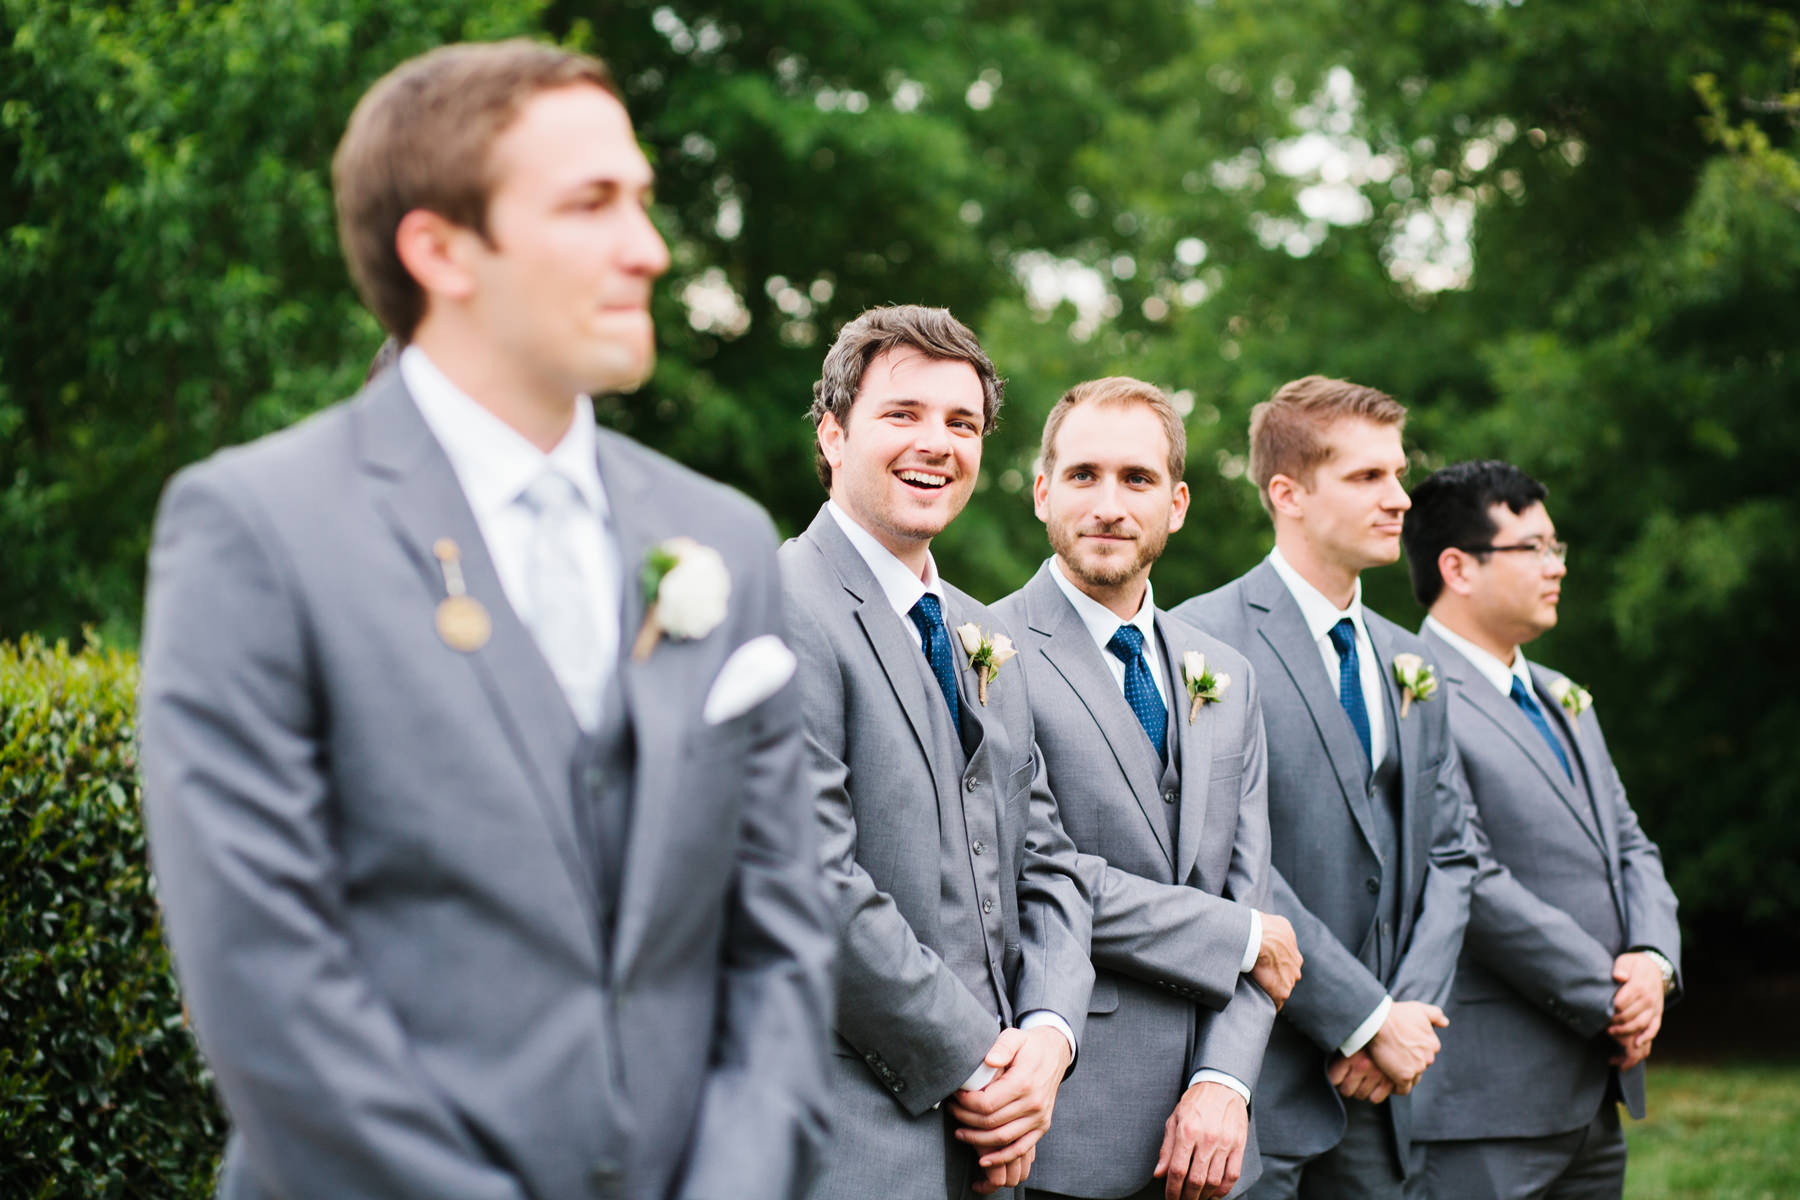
column 1405, row 1044
column 1277, row 967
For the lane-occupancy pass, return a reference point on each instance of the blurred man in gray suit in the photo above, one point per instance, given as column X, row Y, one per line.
column 1572, row 943
column 484, row 864
column 963, row 972
column 1371, row 851
column 1164, row 793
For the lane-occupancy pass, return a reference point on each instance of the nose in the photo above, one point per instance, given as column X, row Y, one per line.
column 1107, row 508
column 1397, row 500
column 931, row 437
column 1554, row 568
column 644, row 250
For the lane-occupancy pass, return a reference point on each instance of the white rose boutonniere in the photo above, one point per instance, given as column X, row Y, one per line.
column 686, row 586
column 986, row 654
column 1416, row 679
column 1574, row 698
column 1203, row 686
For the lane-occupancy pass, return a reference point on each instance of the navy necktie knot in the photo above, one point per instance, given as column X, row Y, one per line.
column 1521, row 696
column 1350, row 693
column 934, row 639
column 1127, row 645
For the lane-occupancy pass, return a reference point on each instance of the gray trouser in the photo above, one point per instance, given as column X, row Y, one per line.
column 1364, row 1165
column 1583, row 1164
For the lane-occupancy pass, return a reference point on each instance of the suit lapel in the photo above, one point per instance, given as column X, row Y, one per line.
column 1578, row 759
column 418, row 494
column 1284, row 630
column 1196, row 751
column 1415, row 818
column 1070, row 649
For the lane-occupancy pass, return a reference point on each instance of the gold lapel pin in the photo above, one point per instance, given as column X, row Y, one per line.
column 461, row 620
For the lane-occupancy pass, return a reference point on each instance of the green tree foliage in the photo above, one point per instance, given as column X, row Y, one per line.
column 1564, row 234
column 102, row 1092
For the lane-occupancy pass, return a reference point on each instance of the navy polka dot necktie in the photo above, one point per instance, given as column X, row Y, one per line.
column 1127, row 646
column 1524, row 700
column 1350, row 693
column 928, row 615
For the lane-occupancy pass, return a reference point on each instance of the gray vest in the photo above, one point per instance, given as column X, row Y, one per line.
column 1170, row 785
column 605, row 760
column 1380, row 952
column 972, row 915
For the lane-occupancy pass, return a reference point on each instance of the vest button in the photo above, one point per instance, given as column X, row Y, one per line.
column 1373, row 884
column 987, row 906
column 1169, row 796
column 969, row 783
column 980, row 847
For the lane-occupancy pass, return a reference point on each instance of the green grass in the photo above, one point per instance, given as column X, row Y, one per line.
column 1727, row 1132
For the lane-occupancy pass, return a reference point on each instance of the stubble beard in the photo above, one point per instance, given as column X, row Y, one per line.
column 1067, row 545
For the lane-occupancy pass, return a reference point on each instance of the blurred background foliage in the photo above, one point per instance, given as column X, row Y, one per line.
column 1566, row 234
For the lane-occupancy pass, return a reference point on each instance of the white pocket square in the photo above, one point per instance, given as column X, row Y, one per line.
column 755, row 671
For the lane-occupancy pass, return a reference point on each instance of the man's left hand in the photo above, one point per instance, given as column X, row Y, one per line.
column 1004, row 1120
column 1203, row 1143
column 1637, row 1007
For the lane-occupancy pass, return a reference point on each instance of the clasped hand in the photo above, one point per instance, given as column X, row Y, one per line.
column 1637, row 1007
column 1004, row 1120
column 1396, row 1057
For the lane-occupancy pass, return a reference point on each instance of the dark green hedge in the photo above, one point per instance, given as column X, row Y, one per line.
column 102, row 1091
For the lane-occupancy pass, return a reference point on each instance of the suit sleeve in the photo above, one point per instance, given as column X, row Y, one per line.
column 316, row 1072
column 1649, row 900
column 1535, row 946
column 1428, row 966
column 1180, row 938
column 1233, row 1040
column 898, row 1004
column 763, row 1119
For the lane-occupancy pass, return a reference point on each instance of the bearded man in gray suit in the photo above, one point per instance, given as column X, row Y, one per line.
column 1371, row 851
column 484, row 866
column 1572, row 943
column 1154, row 742
column 963, row 972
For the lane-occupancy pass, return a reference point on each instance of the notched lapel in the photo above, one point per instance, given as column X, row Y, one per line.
column 1197, row 740
column 1070, row 649
column 416, row 490
column 1575, row 735
column 1409, row 746
column 1284, row 630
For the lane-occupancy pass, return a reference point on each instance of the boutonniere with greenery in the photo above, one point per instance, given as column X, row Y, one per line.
column 686, row 586
column 1574, row 698
column 1416, row 679
column 1203, row 686
column 986, row 654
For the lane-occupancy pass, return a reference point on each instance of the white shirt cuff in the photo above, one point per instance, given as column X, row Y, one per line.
column 983, row 1076
column 1368, row 1029
column 1255, row 946
column 1208, row 1075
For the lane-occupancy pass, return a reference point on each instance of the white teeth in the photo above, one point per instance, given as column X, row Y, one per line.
column 920, row 477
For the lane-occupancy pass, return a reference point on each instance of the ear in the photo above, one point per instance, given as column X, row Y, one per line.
column 1178, row 507
column 831, row 442
column 434, row 252
column 1284, row 496
column 1456, row 567
column 1040, row 497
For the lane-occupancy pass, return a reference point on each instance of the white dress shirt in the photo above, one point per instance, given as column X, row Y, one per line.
column 1321, row 615
column 1491, row 668
column 903, row 589
column 494, row 464
column 1102, row 623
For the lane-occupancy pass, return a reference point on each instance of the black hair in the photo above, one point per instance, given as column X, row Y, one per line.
column 1452, row 508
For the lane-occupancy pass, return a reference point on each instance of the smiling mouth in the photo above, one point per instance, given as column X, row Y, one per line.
column 924, row 481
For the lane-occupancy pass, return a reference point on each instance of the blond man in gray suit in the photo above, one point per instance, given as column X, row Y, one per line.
column 1573, row 947
column 963, row 972
column 1154, row 741
column 483, row 863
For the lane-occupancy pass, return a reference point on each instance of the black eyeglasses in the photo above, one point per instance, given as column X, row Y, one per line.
column 1549, row 552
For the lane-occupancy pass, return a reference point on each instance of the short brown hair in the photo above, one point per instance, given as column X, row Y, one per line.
column 421, row 138
column 1118, row 390
column 1287, row 430
column 933, row 332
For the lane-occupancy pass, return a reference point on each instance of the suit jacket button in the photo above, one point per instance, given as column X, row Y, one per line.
column 1169, row 796
column 987, row 906
column 969, row 783
column 1373, row 884
column 980, row 847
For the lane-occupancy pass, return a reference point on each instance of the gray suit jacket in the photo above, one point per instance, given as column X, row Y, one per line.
column 1327, row 869
column 919, row 974
column 365, row 846
column 1170, row 920
column 1572, row 882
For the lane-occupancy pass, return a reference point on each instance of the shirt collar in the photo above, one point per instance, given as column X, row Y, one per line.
column 1491, row 668
column 897, row 581
column 1319, row 613
column 1102, row 622
column 494, row 462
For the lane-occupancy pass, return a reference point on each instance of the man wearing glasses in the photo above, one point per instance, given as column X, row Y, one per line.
column 1572, row 944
